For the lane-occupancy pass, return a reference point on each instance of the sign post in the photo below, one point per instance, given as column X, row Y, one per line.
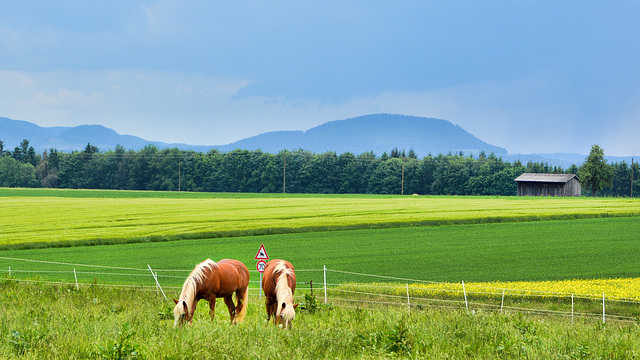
column 261, row 256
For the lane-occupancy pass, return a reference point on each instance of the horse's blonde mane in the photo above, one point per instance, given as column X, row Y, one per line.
column 190, row 285
column 283, row 291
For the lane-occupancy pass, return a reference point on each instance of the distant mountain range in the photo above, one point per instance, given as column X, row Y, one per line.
column 68, row 139
column 378, row 133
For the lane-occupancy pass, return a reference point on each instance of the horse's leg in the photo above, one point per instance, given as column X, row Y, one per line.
column 242, row 295
column 276, row 318
column 212, row 307
column 193, row 311
column 268, row 308
column 271, row 311
column 232, row 308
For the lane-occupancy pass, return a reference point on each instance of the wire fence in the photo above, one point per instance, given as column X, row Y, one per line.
column 358, row 291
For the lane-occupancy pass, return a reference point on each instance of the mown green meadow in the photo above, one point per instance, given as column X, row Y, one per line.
column 448, row 239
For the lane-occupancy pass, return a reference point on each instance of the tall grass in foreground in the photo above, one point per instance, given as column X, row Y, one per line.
column 59, row 322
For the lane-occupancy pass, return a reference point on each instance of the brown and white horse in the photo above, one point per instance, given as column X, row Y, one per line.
column 279, row 284
column 210, row 280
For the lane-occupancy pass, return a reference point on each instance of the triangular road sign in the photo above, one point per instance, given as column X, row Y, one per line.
column 262, row 253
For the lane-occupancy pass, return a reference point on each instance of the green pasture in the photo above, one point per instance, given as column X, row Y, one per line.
column 45, row 217
column 448, row 239
column 537, row 250
column 409, row 237
column 60, row 322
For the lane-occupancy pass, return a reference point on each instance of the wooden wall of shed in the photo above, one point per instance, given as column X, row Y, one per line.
column 571, row 188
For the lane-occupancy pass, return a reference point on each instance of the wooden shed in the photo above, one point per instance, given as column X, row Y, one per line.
column 530, row 184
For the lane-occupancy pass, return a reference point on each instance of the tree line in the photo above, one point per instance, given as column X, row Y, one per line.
column 299, row 171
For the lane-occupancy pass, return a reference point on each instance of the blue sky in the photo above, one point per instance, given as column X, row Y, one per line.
column 529, row 75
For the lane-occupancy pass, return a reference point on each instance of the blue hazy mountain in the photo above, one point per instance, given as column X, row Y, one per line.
column 76, row 138
column 378, row 133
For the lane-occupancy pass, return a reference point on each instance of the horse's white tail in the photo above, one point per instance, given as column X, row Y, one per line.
column 243, row 310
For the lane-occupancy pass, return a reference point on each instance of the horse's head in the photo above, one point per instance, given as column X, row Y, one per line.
column 287, row 314
column 180, row 313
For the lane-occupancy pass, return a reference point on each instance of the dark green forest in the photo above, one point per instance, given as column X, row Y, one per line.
column 299, row 171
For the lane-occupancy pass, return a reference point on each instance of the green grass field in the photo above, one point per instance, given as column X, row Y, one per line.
column 475, row 239
column 59, row 322
column 43, row 218
column 483, row 241
column 547, row 250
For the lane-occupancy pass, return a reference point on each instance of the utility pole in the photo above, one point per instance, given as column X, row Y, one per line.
column 179, row 177
column 284, row 173
column 632, row 177
column 402, row 179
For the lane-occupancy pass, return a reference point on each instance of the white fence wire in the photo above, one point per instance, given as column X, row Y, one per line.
column 413, row 294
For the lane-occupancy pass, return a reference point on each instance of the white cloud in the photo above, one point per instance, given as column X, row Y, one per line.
column 523, row 116
column 67, row 98
column 15, row 79
column 163, row 106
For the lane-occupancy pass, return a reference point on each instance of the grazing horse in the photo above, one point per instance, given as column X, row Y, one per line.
column 279, row 284
column 210, row 280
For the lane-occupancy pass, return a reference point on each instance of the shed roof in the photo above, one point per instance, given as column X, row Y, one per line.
column 548, row 178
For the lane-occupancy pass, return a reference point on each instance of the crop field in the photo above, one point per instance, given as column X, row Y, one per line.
column 568, row 249
column 564, row 245
column 480, row 239
column 45, row 218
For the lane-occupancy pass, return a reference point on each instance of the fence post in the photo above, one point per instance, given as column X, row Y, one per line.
column 408, row 299
column 571, row 308
column 502, row 303
column 155, row 277
column 76, row 277
column 603, row 317
column 466, row 304
column 325, row 283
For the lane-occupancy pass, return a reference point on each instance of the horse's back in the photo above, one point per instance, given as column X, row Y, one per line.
column 233, row 271
column 278, row 264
